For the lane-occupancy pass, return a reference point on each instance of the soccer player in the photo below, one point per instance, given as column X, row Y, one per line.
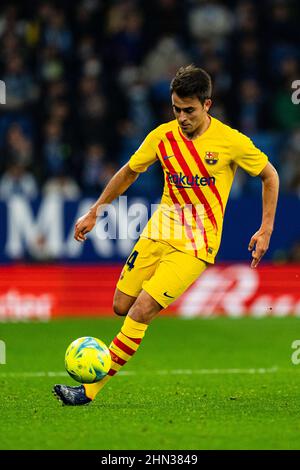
column 199, row 156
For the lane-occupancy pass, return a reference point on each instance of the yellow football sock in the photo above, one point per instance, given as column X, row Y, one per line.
column 122, row 348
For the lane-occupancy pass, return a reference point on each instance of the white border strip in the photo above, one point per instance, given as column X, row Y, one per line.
column 261, row 370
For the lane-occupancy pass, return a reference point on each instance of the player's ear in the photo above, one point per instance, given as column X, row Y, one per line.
column 207, row 104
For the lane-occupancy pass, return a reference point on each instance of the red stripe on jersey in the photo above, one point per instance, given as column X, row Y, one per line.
column 176, row 202
column 126, row 349
column 189, row 229
column 187, row 171
column 186, row 199
column 193, row 151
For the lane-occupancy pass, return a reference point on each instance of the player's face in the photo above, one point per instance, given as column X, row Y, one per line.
column 190, row 113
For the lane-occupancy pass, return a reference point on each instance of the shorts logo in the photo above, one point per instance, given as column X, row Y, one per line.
column 211, row 158
column 167, row 295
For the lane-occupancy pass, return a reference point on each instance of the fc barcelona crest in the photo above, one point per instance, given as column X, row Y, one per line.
column 211, row 158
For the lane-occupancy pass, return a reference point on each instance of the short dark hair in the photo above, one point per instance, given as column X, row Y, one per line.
column 192, row 81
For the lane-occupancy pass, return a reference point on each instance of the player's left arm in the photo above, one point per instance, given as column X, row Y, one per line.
column 259, row 243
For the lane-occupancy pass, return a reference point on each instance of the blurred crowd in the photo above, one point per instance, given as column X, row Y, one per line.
column 87, row 80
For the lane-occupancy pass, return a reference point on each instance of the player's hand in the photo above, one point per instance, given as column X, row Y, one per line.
column 259, row 243
column 84, row 225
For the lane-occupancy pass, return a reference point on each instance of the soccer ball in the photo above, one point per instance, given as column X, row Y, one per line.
column 87, row 360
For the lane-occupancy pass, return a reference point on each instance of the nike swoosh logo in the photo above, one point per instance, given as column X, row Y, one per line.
column 168, row 156
column 166, row 294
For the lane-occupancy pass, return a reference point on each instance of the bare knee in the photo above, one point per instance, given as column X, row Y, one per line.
column 119, row 308
column 122, row 303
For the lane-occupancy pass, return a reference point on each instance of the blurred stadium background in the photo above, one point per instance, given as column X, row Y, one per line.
column 85, row 82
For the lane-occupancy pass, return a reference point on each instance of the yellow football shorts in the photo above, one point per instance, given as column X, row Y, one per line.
column 161, row 270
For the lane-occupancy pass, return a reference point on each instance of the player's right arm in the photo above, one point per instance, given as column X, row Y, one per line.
column 119, row 183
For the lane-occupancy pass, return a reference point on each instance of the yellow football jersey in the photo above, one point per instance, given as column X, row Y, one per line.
column 198, row 176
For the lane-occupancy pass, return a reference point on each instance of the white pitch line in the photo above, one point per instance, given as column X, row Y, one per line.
column 261, row 370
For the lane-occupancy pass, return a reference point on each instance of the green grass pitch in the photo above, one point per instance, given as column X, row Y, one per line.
column 193, row 384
